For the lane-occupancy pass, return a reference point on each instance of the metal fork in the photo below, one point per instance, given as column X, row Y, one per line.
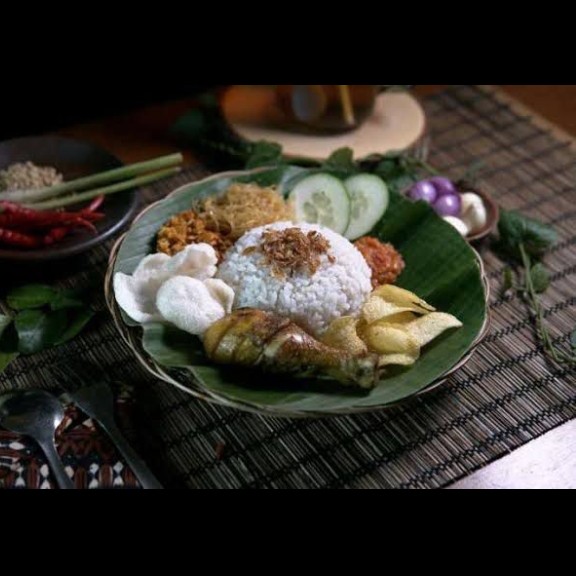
column 95, row 398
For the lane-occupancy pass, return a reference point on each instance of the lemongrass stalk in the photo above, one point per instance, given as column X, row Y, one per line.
column 114, row 175
column 107, row 190
column 347, row 107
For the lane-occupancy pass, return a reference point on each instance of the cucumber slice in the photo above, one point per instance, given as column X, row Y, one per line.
column 369, row 198
column 322, row 199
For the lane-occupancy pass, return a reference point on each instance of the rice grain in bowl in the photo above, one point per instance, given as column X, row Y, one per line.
column 312, row 296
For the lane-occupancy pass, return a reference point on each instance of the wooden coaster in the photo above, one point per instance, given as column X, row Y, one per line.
column 398, row 123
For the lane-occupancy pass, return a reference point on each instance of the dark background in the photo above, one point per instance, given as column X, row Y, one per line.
column 46, row 101
column 27, row 108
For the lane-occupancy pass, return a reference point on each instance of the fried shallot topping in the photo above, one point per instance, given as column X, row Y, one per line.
column 291, row 250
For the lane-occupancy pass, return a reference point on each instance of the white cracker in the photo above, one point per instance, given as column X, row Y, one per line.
column 188, row 304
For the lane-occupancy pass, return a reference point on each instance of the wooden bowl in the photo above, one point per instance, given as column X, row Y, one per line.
column 492, row 211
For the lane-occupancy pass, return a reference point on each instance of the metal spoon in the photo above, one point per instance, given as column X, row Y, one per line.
column 37, row 414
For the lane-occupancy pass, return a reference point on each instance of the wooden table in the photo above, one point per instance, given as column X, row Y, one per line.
column 548, row 462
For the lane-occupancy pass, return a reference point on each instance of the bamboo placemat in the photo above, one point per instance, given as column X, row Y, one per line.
column 507, row 395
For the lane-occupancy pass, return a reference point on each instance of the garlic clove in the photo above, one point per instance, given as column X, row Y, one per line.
column 460, row 225
column 474, row 213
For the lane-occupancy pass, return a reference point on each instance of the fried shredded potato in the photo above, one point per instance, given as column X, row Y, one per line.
column 244, row 207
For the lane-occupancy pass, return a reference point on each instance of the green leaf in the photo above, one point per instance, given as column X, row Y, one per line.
column 341, row 162
column 5, row 321
column 76, row 325
column 516, row 229
column 377, row 158
column 8, row 338
column 192, row 125
column 265, row 154
column 30, row 296
column 508, row 280
column 65, row 299
column 401, row 184
column 397, row 173
column 206, row 130
column 390, row 168
column 8, row 342
column 38, row 330
column 6, row 358
column 172, row 347
column 573, row 340
column 540, row 278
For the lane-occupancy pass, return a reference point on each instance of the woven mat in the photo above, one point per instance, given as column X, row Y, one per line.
column 507, row 395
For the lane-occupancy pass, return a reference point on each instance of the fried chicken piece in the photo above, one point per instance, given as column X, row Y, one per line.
column 254, row 338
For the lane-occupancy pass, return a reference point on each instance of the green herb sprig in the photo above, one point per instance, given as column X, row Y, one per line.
column 40, row 317
column 398, row 169
column 525, row 242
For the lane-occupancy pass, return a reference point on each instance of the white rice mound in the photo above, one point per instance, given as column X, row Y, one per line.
column 336, row 289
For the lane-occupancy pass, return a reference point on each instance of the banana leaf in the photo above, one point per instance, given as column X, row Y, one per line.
column 440, row 267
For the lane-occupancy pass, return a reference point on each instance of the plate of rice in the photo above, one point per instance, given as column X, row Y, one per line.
column 248, row 306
